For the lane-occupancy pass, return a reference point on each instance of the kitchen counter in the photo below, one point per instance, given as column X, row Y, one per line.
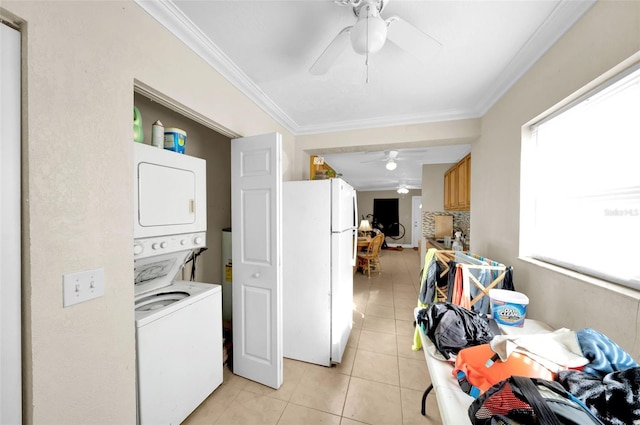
column 431, row 242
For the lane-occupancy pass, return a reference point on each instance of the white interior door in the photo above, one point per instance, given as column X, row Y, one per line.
column 416, row 219
column 10, row 278
column 256, row 214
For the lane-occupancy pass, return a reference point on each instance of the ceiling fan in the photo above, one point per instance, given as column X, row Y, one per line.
column 370, row 32
column 391, row 159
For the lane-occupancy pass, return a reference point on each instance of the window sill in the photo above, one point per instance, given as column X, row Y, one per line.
column 600, row 283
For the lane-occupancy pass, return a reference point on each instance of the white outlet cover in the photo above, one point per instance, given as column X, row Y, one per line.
column 82, row 286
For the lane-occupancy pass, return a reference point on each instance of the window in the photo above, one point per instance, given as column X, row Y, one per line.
column 581, row 184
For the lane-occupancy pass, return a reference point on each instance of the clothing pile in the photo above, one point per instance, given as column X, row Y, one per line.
column 590, row 367
column 609, row 385
column 460, row 279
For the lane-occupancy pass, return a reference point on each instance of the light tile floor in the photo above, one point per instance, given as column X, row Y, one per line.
column 380, row 380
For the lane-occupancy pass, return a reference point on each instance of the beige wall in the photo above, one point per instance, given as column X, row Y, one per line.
column 607, row 35
column 433, row 186
column 81, row 59
column 365, row 206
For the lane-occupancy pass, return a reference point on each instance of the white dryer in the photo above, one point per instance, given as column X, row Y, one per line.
column 178, row 338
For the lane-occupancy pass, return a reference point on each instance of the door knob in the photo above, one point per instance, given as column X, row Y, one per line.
column 256, row 275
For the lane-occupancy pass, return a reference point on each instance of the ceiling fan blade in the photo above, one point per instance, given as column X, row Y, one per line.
column 388, row 156
column 331, row 53
column 411, row 39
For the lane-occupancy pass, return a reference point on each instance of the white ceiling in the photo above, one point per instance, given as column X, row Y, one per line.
column 265, row 48
column 367, row 171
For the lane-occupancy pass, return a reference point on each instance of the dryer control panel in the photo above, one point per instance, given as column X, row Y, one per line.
column 147, row 247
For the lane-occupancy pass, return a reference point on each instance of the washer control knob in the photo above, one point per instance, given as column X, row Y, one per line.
column 197, row 240
column 183, row 241
column 164, row 245
column 155, row 245
column 137, row 248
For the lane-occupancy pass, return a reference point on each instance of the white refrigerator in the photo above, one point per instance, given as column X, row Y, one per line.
column 319, row 253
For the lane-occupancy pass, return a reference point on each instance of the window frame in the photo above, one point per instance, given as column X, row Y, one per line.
column 529, row 167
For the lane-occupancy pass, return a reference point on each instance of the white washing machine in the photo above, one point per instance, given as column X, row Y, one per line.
column 178, row 339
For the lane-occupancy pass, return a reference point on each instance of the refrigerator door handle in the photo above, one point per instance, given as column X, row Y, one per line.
column 355, row 229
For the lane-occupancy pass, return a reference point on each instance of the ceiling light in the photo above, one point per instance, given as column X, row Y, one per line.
column 402, row 188
column 370, row 32
column 391, row 165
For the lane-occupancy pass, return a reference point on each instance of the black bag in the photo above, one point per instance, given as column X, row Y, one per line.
column 521, row 400
column 452, row 328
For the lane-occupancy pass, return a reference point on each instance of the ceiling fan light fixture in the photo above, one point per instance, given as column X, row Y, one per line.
column 391, row 165
column 403, row 190
column 369, row 33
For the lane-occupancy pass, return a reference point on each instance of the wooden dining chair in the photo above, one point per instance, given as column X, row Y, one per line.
column 371, row 257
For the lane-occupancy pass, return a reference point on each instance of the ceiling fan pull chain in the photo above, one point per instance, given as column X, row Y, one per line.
column 366, row 61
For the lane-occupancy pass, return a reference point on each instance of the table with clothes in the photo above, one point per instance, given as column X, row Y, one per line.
column 469, row 356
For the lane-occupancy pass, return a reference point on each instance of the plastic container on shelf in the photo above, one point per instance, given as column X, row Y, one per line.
column 138, row 134
column 157, row 134
column 175, row 139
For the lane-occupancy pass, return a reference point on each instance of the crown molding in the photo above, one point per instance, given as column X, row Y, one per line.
column 563, row 17
column 172, row 18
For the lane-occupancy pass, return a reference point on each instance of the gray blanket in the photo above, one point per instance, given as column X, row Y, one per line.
column 614, row 398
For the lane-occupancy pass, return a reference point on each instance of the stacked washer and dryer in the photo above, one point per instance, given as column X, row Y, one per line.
column 178, row 323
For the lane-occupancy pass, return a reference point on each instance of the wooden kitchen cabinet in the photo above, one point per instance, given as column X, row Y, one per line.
column 447, row 191
column 468, row 182
column 453, row 188
column 457, row 186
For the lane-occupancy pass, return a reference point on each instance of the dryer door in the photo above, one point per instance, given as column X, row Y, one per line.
column 170, row 192
column 167, row 195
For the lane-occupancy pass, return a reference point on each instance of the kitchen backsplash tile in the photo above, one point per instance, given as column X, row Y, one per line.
column 461, row 219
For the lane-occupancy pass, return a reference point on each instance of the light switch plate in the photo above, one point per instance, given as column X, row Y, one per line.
column 82, row 286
